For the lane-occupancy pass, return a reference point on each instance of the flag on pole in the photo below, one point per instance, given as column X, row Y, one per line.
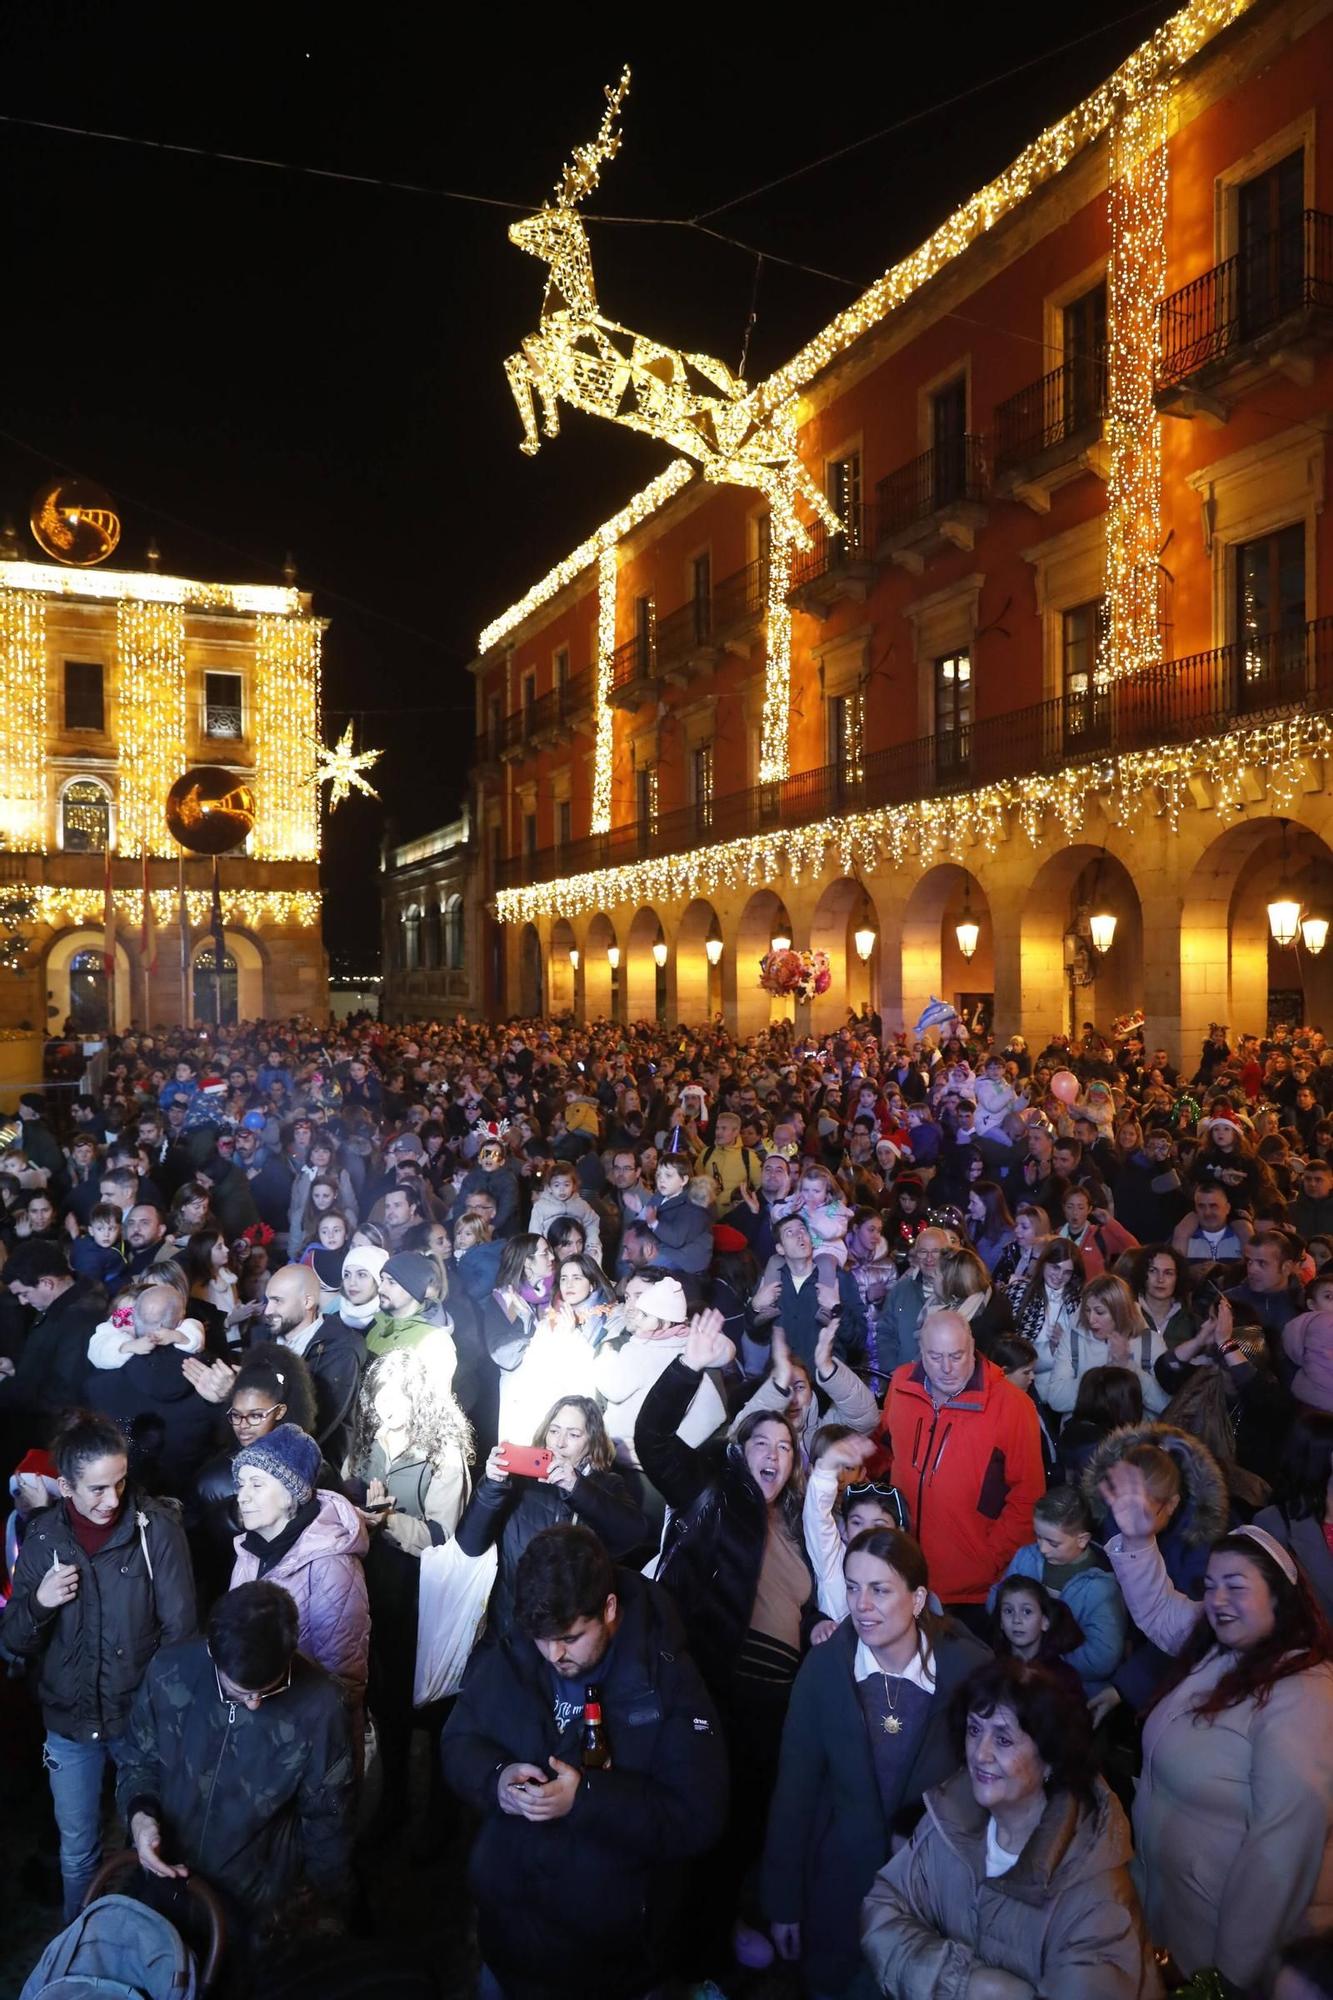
column 108, row 920
column 148, row 928
column 219, row 946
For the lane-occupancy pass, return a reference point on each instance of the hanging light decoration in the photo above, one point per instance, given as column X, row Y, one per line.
column 613, row 957
column 574, row 956
column 1284, row 907
column 1102, row 930
column 865, row 934
column 1314, row 934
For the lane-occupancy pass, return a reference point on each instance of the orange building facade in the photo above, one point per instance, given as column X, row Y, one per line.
column 1066, row 659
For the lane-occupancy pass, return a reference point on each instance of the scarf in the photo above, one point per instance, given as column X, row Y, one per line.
column 357, row 1317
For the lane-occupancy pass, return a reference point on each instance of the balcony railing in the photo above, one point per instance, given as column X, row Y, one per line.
column 831, row 550
column 1049, row 412
column 1175, row 701
column 948, row 476
column 558, row 709
column 632, row 663
column 1210, row 319
column 684, row 631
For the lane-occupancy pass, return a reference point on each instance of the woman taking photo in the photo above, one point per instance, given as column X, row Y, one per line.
column 1016, row 1263
column 583, row 1484
column 1017, row 1882
column 735, row 1561
column 866, row 1734
column 1233, row 1815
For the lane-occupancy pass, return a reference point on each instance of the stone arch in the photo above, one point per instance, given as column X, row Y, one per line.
column 754, row 932
column 66, row 946
column 838, row 914
column 561, row 979
column 1229, row 966
column 932, row 960
column 249, row 960
column 1074, row 879
column 600, row 989
column 698, row 984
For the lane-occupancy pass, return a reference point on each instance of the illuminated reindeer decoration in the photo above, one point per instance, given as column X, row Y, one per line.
column 692, row 402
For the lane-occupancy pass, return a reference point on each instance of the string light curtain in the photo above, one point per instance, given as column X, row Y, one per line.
column 23, row 720
column 150, row 646
column 246, row 909
column 286, row 730
column 603, row 713
column 1136, row 281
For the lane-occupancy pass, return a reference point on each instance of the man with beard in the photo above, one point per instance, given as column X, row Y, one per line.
column 333, row 1351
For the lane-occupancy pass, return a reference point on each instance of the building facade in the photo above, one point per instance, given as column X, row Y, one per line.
column 113, row 683
column 432, row 928
column 1068, row 656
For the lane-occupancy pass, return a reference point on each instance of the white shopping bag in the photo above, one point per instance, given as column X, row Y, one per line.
column 455, row 1589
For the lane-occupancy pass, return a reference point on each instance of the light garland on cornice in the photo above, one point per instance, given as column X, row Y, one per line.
column 1174, row 43
column 948, row 827
column 679, row 473
column 147, row 587
column 252, row 909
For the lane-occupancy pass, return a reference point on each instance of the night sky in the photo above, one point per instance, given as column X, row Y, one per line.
column 253, row 361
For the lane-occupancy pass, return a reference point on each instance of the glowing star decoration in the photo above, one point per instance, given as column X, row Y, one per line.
column 341, row 768
column 690, row 402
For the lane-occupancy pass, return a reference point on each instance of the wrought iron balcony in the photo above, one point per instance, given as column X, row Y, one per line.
column 633, row 669
column 1051, row 418
column 1279, row 286
column 934, row 501
column 838, row 563
column 1176, row 701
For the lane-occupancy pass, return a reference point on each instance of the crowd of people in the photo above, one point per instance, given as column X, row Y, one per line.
column 853, row 1512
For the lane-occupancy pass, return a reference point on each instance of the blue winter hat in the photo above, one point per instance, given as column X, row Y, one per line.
column 288, row 1455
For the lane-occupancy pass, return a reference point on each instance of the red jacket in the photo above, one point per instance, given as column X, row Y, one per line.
column 969, row 1471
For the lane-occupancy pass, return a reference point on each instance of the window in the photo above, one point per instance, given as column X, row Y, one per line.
column 763, row 542
column 846, row 730
column 563, row 823
column 528, row 688
column 222, row 705
column 529, row 836
column 494, row 718
column 843, row 485
column 1270, row 616
column 643, row 634
column 953, row 713
column 948, row 441
column 412, row 939
column 645, row 792
column 1085, row 357
column 1270, row 229
column 85, row 706
column 430, row 938
column 701, row 594
column 701, row 785
column 453, row 933
column 85, row 817
column 1087, row 704
column 560, row 668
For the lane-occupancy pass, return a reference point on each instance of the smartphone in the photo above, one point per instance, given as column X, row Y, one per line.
column 376, row 1506
column 529, row 1461
column 1208, row 1296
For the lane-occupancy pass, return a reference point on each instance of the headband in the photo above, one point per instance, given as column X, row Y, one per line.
column 1271, row 1547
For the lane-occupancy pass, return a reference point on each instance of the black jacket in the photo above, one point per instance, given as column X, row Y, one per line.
column 336, row 1357
column 53, row 1363
column 255, row 1800
column 602, row 1887
column 134, row 1595
column 170, row 1427
column 513, row 1512
column 827, row 1833
column 714, row 1548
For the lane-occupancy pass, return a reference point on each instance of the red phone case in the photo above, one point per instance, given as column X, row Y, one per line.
column 529, row 1461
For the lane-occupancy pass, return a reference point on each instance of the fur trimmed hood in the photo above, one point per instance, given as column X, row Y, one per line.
column 1207, row 1509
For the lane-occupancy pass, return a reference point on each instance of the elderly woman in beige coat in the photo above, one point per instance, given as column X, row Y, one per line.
column 1233, row 1816
column 1016, row 1883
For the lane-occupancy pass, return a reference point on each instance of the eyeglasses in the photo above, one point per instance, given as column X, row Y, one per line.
column 238, row 1418
column 251, row 1698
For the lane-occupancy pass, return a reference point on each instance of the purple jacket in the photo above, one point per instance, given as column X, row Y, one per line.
column 323, row 1575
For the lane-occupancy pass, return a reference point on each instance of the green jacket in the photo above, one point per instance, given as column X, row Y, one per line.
column 386, row 1335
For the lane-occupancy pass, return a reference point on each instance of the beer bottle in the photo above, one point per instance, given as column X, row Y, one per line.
column 595, row 1751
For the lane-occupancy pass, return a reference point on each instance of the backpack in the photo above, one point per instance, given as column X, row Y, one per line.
column 116, row 1949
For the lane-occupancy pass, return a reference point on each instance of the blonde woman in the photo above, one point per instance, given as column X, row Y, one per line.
column 1109, row 1331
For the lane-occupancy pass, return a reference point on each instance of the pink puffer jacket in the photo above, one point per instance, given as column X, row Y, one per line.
column 322, row 1572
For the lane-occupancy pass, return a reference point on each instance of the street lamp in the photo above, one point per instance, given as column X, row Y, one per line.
column 1284, row 909
column 713, row 945
column 659, row 951
column 1314, row 934
column 863, row 937
column 967, row 930
column 1102, row 931
column 613, row 957
column 574, row 956
column 781, row 939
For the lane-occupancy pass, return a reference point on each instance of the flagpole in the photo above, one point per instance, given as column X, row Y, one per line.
column 109, row 939
column 146, row 948
column 219, row 947
column 182, row 917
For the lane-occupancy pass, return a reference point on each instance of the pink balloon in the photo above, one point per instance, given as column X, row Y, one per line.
column 1064, row 1085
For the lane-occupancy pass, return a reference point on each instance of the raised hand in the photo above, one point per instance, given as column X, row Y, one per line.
column 781, row 1361
column 828, row 1333
column 213, row 1380
column 706, row 1345
column 1126, row 1494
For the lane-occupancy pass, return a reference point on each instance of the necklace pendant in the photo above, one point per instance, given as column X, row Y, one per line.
column 892, row 1725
